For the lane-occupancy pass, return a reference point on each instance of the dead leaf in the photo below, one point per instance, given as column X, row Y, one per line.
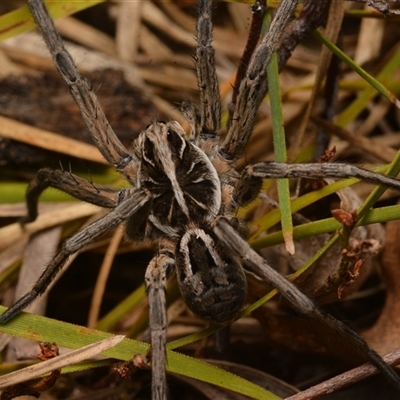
column 384, row 336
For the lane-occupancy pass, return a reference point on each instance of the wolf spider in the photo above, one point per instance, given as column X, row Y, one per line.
column 184, row 193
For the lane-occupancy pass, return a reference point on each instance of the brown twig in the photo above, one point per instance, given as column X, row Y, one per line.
column 345, row 379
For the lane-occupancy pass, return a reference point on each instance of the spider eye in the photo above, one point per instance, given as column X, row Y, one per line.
column 175, row 139
column 148, row 150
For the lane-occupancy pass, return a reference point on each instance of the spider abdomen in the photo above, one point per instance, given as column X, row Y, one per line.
column 211, row 280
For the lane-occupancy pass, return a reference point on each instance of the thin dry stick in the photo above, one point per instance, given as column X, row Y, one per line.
column 86, row 35
column 13, row 232
column 333, row 28
column 15, row 130
column 103, row 276
column 129, row 19
column 345, row 379
column 36, row 370
column 373, row 147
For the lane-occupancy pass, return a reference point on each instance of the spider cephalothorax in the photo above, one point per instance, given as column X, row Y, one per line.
column 184, row 193
column 179, row 177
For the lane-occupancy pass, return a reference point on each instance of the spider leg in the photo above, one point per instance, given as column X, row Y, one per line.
column 256, row 264
column 252, row 88
column 82, row 189
column 81, row 239
column 156, row 285
column 251, row 178
column 210, row 105
column 102, row 133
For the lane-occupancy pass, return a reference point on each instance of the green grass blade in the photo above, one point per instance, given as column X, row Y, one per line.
column 393, row 170
column 20, row 20
column 358, row 105
column 43, row 329
column 122, row 309
column 280, row 148
column 328, row 225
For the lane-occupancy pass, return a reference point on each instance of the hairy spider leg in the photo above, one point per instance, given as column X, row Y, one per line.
column 73, row 245
column 82, row 189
